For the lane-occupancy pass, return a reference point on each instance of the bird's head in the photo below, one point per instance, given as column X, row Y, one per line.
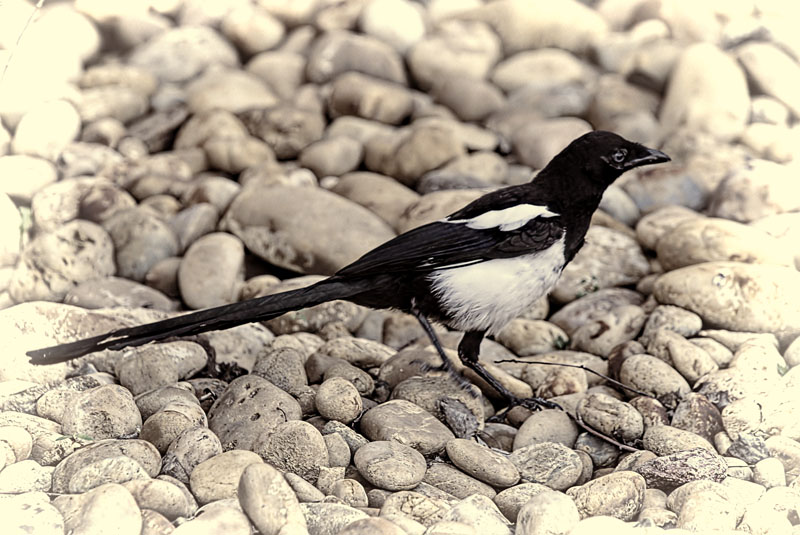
column 604, row 156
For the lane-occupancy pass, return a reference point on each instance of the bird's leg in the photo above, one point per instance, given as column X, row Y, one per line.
column 468, row 351
column 446, row 366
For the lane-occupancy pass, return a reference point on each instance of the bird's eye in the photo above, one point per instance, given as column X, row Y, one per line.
column 619, row 155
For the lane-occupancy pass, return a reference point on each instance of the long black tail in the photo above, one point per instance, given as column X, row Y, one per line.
column 211, row 319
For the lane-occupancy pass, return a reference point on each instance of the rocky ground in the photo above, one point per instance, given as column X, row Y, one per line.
column 165, row 155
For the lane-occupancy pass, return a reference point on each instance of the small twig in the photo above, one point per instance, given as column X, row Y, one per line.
column 598, row 434
column 36, row 9
column 580, row 367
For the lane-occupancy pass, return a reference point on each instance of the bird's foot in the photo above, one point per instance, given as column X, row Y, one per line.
column 531, row 403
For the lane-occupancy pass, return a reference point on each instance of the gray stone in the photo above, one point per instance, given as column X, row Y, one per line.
column 608, row 259
column 182, row 53
column 733, row 295
column 55, row 262
column 458, row 48
column 249, row 406
column 89, row 511
column 337, row 52
column 406, row 423
column 390, row 465
column 269, row 501
column 141, row 239
column 619, row 494
column 218, row 478
column 111, row 292
column 104, row 412
column 273, row 223
column 708, row 92
column 548, row 463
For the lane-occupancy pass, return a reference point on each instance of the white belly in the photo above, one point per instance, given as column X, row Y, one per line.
column 488, row 295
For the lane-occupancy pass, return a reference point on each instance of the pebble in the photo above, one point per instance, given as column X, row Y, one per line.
column 772, row 70
column 337, row 399
column 163, row 427
column 217, row 517
column 601, row 335
column 458, row 48
column 25, row 476
column 294, row 446
column 609, row 259
column 670, row 471
column 547, row 512
column 735, row 295
column 705, row 74
column 16, row 510
column 404, row 422
column 390, row 465
column 104, row 412
column 142, row 452
column 666, row 440
column 55, row 262
column 247, row 399
column 414, row 506
column 770, row 473
column 481, row 513
column 141, row 239
column 304, row 247
column 654, row 376
column 217, row 478
column 697, row 414
column 45, row 130
column 182, row 53
column 380, row 194
column 89, row 511
column 611, row 417
column 547, row 425
column 619, row 494
column 592, row 306
column 482, row 463
column 710, row 239
column 329, row 518
column 161, row 496
column 455, row 482
column 205, row 283
column 338, row 450
column 548, row 463
column 193, row 446
column 269, row 500
column 754, row 191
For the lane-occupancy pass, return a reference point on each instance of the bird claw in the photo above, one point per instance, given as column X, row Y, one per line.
column 531, row 403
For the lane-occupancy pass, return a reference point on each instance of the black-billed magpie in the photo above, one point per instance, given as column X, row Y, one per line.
column 473, row 271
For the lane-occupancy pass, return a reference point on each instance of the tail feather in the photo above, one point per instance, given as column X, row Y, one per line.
column 212, row 319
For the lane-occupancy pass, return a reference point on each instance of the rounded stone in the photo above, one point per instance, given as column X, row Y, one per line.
column 619, row 494
column 337, row 399
column 404, row 422
column 482, row 463
column 548, row 463
column 390, row 465
column 217, row 478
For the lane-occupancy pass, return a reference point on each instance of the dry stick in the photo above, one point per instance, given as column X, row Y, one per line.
column 580, row 367
column 36, row 9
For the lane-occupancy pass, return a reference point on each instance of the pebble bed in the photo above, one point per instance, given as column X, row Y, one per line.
column 167, row 155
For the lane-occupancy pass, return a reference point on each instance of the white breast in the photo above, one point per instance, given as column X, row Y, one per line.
column 487, row 295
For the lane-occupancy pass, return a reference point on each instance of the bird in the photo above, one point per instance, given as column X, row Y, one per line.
column 472, row 271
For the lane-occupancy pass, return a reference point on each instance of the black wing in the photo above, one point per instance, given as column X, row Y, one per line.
column 447, row 244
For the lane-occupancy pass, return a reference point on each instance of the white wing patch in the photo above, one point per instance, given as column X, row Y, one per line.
column 506, row 219
column 487, row 295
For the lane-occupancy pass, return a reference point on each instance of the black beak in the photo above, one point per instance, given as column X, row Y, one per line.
column 650, row 157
